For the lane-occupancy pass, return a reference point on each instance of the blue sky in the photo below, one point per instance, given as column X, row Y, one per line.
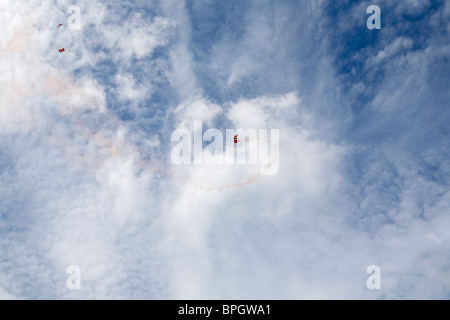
column 86, row 176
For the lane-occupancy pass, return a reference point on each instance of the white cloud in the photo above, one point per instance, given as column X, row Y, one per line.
column 196, row 109
column 397, row 45
column 82, row 187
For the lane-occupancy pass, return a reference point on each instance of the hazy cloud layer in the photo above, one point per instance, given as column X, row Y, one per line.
column 86, row 176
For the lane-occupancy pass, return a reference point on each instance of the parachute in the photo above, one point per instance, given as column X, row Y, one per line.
column 62, row 49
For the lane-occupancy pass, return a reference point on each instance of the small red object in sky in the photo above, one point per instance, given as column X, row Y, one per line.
column 235, row 138
column 62, row 50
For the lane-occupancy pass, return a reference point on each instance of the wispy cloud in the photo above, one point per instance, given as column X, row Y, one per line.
column 86, row 177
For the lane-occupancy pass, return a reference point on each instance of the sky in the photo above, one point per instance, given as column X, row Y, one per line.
column 87, row 176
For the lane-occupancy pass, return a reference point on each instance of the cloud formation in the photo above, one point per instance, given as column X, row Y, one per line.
column 86, row 176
